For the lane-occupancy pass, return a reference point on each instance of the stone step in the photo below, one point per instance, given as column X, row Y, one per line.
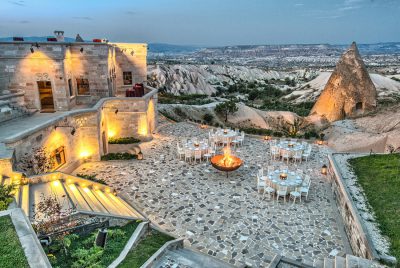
column 329, row 263
column 318, row 263
column 340, row 262
column 189, row 258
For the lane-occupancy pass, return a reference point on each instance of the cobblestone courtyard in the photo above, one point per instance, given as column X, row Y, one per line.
column 226, row 217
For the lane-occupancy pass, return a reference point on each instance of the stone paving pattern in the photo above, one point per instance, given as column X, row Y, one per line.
column 226, row 217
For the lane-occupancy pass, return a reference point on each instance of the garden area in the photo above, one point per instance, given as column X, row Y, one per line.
column 11, row 252
column 379, row 177
column 73, row 250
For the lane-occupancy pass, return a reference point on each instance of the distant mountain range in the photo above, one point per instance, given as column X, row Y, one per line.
column 163, row 48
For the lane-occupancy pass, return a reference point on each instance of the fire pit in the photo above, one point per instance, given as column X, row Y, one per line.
column 226, row 162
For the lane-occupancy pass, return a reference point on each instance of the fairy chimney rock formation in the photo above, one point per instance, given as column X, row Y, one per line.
column 349, row 91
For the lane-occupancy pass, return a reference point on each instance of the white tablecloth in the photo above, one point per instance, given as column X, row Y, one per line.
column 292, row 181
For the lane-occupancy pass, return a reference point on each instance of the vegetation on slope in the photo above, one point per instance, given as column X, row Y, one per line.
column 80, row 250
column 11, row 253
column 145, row 249
column 379, row 176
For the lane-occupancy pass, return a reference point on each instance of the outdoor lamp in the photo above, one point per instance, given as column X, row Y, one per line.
column 324, row 170
column 140, row 156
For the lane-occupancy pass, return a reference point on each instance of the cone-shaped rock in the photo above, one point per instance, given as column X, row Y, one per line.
column 349, row 91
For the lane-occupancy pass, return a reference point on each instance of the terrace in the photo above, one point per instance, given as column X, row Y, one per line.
column 226, row 217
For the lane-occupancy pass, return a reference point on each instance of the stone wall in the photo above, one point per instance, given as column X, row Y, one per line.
column 102, row 64
column 130, row 58
column 85, row 133
column 359, row 239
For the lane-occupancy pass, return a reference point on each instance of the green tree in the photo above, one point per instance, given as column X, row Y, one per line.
column 226, row 108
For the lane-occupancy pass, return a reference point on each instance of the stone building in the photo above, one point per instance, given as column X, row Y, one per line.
column 69, row 98
column 349, row 91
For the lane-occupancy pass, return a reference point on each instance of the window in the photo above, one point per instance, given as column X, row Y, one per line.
column 127, row 77
column 359, row 106
column 58, row 157
column 71, row 90
column 82, row 86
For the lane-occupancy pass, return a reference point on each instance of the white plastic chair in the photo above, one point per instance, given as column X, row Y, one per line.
column 180, row 151
column 188, row 155
column 295, row 194
column 281, row 192
column 298, row 156
column 209, row 154
column 305, row 190
column 285, row 155
column 260, row 183
column 197, row 155
column 268, row 189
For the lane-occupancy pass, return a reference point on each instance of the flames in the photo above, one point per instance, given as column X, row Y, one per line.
column 227, row 160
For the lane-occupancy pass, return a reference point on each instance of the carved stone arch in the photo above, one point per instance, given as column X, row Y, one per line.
column 42, row 77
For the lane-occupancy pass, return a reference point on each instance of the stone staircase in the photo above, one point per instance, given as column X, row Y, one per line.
column 74, row 194
column 12, row 106
column 347, row 261
column 185, row 258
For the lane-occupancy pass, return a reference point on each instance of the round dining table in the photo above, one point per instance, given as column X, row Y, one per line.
column 292, row 180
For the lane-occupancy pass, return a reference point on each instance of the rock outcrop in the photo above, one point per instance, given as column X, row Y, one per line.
column 349, row 91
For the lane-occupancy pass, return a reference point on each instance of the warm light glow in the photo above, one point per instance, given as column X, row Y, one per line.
column 86, row 190
column 227, row 160
column 56, row 183
column 142, row 125
column 111, row 133
column 84, row 154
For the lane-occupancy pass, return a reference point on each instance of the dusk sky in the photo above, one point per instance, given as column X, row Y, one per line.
column 207, row 22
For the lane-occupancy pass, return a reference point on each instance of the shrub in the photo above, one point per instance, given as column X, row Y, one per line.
column 92, row 177
column 124, row 140
column 179, row 112
column 208, row 118
column 6, row 198
column 118, row 156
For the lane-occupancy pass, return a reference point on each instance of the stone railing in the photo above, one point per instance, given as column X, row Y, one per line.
column 357, row 233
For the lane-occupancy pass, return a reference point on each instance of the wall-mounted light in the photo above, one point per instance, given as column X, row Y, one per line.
column 81, row 50
column 324, row 170
column 34, row 45
column 116, row 111
column 32, row 50
column 73, row 131
column 132, row 53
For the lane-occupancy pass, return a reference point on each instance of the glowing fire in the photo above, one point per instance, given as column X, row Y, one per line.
column 228, row 160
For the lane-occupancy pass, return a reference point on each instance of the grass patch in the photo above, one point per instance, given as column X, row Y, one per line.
column 145, row 249
column 124, row 140
column 118, row 156
column 81, row 251
column 379, row 176
column 11, row 253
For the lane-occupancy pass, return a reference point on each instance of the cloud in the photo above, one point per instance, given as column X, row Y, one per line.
column 24, row 21
column 20, row 3
column 82, row 18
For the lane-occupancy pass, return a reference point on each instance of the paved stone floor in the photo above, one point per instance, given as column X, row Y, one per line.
column 226, row 217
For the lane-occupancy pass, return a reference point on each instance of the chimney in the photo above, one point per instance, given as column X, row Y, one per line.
column 59, row 35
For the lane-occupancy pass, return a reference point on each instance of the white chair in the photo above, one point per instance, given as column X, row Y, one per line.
column 285, row 155
column 197, row 155
column 241, row 138
column 188, row 155
column 268, row 189
column 275, row 152
column 306, row 181
column 180, row 151
column 305, row 190
column 299, row 172
column 261, row 172
column 235, row 143
column 307, row 153
column 226, row 141
column 271, row 169
column 298, row 156
column 295, row 194
column 209, row 154
column 281, row 192
column 260, row 183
